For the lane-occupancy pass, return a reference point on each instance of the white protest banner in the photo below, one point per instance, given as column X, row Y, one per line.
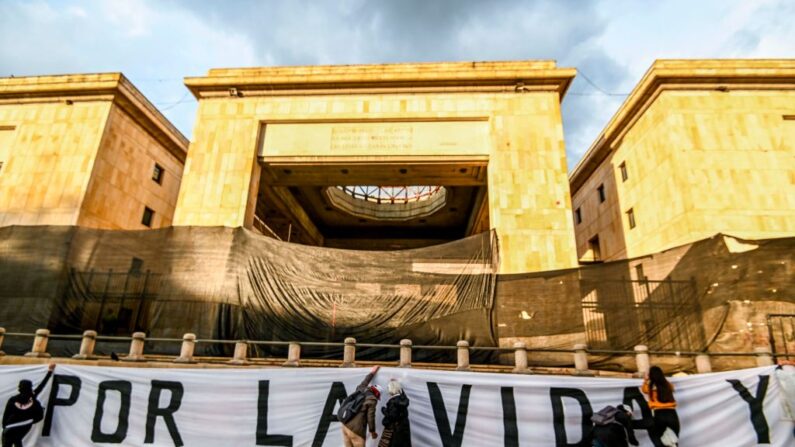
column 90, row 406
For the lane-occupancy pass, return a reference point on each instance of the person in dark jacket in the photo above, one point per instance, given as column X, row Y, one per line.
column 397, row 432
column 354, row 431
column 615, row 434
column 23, row 410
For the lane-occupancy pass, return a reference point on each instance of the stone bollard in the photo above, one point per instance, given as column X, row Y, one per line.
column 581, row 360
column 87, row 346
column 188, row 346
column 463, row 355
column 520, row 358
column 40, row 344
column 642, row 360
column 136, row 348
column 2, row 336
column 703, row 364
column 763, row 356
column 405, row 353
column 349, row 353
column 293, row 355
column 240, row 357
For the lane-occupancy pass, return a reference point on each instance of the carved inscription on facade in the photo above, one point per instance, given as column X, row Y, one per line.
column 383, row 137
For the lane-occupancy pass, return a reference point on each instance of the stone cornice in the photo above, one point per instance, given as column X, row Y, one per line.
column 100, row 86
column 704, row 75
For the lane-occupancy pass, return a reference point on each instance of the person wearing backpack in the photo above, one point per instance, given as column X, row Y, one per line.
column 662, row 405
column 612, row 427
column 397, row 432
column 357, row 412
column 23, row 410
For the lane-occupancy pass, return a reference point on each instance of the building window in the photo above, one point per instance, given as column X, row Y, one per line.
column 601, row 190
column 596, row 251
column 149, row 215
column 1, row 166
column 578, row 216
column 157, row 174
column 631, row 218
column 639, row 275
column 623, row 168
column 136, row 265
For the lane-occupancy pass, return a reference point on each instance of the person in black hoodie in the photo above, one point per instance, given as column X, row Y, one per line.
column 397, row 432
column 23, row 410
column 617, row 433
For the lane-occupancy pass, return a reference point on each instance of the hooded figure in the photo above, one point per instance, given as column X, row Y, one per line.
column 354, row 431
column 397, row 432
column 22, row 411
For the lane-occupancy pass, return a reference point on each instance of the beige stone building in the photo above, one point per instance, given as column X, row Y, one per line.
column 386, row 156
column 699, row 147
column 86, row 150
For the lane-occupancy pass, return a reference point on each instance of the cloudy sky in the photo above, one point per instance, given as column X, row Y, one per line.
column 158, row 42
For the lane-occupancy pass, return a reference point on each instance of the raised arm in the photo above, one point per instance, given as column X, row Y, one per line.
column 362, row 386
column 44, row 382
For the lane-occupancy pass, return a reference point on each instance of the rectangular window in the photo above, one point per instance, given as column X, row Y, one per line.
column 601, row 190
column 789, row 117
column 631, row 218
column 1, row 166
column 639, row 275
column 148, row 217
column 596, row 250
column 157, row 174
column 136, row 265
column 623, row 168
column 577, row 216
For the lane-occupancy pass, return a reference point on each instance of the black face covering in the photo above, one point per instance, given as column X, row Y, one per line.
column 26, row 388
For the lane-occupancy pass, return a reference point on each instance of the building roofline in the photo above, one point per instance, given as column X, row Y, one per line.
column 681, row 74
column 110, row 86
column 409, row 77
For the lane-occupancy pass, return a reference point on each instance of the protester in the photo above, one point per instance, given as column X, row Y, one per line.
column 612, row 427
column 23, row 410
column 662, row 405
column 355, row 428
column 397, row 432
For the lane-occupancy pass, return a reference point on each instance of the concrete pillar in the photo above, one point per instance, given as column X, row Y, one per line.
column 293, row 355
column 581, row 360
column 349, row 353
column 703, row 364
column 2, row 336
column 405, row 353
column 87, row 346
column 763, row 356
column 188, row 346
column 463, row 355
column 520, row 358
column 40, row 344
column 240, row 357
column 642, row 360
column 136, row 348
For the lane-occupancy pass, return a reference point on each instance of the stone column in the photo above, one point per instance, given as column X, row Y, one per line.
column 581, row 360
column 642, row 360
column 405, row 353
column 188, row 346
column 2, row 337
column 463, row 355
column 293, row 355
column 520, row 358
column 136, row 348
column 703, row 364
column 349, row 353
column 40, row 344
column 240, row 357
column 87, row 346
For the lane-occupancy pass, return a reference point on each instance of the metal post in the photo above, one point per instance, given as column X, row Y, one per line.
column 642, row 360
column 2, row 336
column 87, row 346
column 136, row 348
column 463, row 355
column 763, row 356
column 349, row 353
column 40, row 344
column 405, row 353
column 241, row 353
column 703, row 364
column 293, row 355
column 188, row 346
column 520, row 358
column 581, row 360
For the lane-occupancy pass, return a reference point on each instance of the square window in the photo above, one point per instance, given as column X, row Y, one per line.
column 578, row 216
column 601, row 190
column 148, row 217
column 157, row 174
column 631, row 218
column 623, row 168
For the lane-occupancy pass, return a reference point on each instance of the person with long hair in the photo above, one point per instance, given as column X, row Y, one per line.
column 661, row 401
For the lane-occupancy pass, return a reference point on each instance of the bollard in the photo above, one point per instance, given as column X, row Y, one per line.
column 293, row 355
column 463, row 355
column 2, row 336
column 763, row 356
column 240, row 357
column 703, row 364
column 581, row 360
column 520, row 358
column 87, row 346
column 40, row 344
column 188, row 346
column 405, row 353
column 349, row 353
column 136, row 348
column 642, row 360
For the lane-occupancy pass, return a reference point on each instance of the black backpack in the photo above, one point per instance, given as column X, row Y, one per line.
column 350, row 406
column 605, row 416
